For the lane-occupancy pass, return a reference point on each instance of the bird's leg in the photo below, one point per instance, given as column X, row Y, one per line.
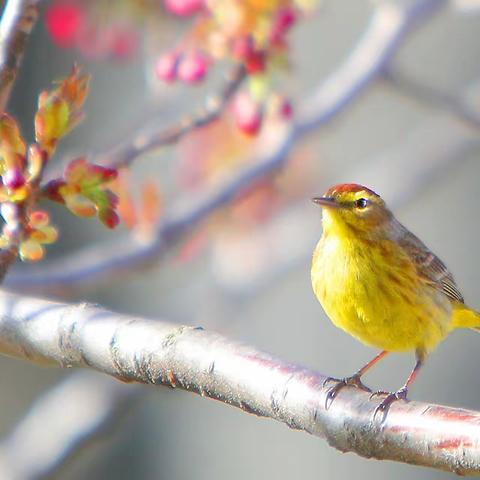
column 399, row 394
column 354, row 380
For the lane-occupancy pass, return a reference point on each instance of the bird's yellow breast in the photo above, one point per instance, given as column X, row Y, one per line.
column 375, row 295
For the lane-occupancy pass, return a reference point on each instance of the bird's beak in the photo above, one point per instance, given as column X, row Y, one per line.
column 327, row 202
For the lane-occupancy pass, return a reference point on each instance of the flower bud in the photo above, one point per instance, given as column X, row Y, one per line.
column 39, row 218
column 255, row 62
column 184, row 8
column 166, row 67
column 13, row 179
column 243, row 47
column 248, row 114
column 193, row 68
column 284, row 20
column 63, row 21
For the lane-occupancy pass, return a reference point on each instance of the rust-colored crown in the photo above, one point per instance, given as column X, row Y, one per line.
column 348, row 188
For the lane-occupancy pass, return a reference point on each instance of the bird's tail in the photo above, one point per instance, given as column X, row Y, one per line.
column 465, row 317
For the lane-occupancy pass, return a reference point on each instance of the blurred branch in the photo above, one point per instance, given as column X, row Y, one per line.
column 189, row 358
column 150, row 139
column 389, row 24
column 16, row 24
column 431, row 96
column 466, row 6
column 387, row 29
column 44, row 440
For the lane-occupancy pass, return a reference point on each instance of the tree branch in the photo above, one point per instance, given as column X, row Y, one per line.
column 431, row 96
column 43, row 441
column 150, row 139
column 17, row 22
column 437, row 146
column 189, row 358
column 388, row 27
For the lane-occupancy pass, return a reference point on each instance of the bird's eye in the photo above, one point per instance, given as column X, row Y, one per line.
column 361, row 203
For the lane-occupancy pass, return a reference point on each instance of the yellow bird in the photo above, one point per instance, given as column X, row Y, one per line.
column 381, row 284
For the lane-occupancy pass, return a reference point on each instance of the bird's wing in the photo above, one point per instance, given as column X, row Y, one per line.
column 430, row 267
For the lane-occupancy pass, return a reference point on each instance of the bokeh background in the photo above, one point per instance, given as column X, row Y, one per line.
column 259, row 291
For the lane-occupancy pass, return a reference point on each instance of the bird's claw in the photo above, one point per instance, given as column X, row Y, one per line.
column 379, row 393
column 353, row 381
column 385, row 404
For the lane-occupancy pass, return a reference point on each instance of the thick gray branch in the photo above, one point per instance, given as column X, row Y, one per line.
column 436, row 152
column 159, row 353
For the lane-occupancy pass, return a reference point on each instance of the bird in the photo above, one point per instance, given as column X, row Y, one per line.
column 382, row 285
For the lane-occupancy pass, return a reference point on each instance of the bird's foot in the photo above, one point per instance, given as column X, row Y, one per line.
column 390, row 397
column 353, row 381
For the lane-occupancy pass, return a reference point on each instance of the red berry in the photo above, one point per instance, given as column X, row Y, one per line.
column 193, row 68
column 63, row 21
column 166, row 67
column 285, row 19
column 13, row 179
column 109, row 218
column 244, row 49
column 255, row 62
column 248, row 114
column 184, row 8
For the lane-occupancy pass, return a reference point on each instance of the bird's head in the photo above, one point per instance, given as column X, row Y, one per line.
column 352, row 208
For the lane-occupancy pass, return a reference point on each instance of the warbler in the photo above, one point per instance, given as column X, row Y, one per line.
column 377, row 281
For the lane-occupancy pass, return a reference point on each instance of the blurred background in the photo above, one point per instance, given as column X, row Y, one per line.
column 245, row 272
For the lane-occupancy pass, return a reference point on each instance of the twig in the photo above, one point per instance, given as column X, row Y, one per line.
column 45, row 439
column 431, row 96
column 17, row 22
column 150, row 139
column 189, row 358
column 388, row 27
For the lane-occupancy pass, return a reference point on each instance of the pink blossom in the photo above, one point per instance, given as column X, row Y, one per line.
column 248, row 114
column 193, row 67
column 63, row 21
column 166, row 67
column 184, row 8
